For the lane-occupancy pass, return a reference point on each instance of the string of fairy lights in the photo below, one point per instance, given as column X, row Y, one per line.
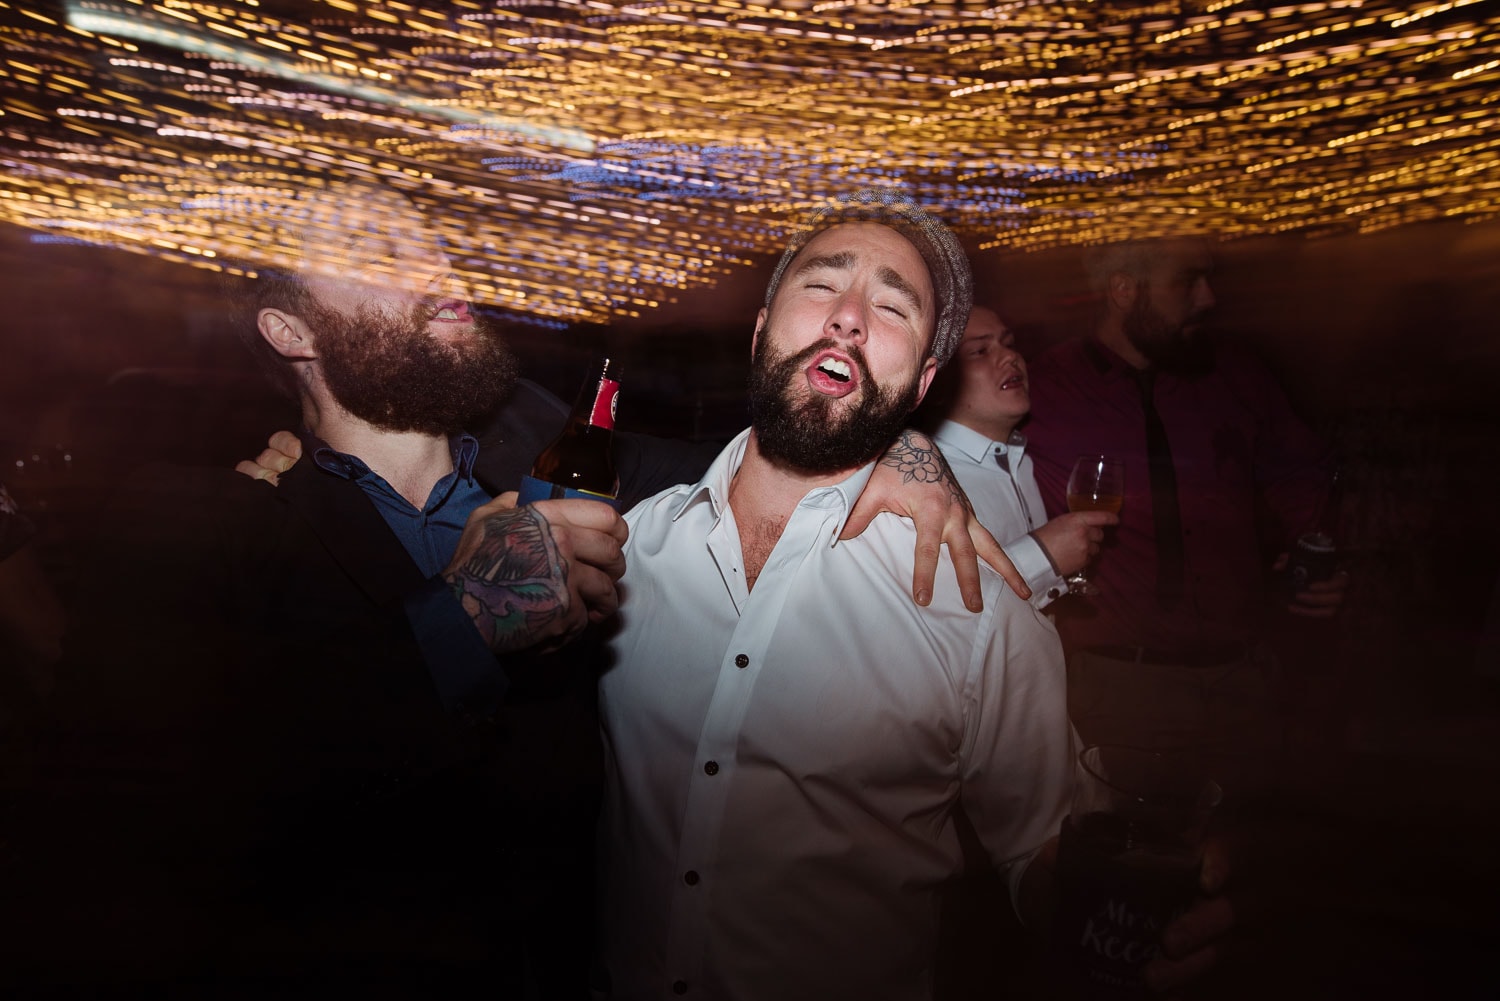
column 587, row 160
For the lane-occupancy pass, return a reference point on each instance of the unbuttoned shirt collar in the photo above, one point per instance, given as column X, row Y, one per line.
column 431, row 534
column 981, row 448
column 464, row 448
column 714, row 487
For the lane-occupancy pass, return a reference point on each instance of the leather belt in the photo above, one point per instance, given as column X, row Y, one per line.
column 1206, row 657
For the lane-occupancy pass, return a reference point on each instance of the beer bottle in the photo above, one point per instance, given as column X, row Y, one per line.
column 1315, row 556
column 580, row 461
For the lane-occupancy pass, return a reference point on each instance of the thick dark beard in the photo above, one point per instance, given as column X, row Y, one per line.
column 389, row 372
column 815, row 434
column 1167, row 349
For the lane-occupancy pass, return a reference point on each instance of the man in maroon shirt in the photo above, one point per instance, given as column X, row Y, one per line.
column 1221, row 477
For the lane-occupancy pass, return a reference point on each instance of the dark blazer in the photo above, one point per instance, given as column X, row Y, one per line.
column 252, row 785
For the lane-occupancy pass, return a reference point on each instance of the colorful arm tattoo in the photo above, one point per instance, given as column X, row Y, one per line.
column 514, row 585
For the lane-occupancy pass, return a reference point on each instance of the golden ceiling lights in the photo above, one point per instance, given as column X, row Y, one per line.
column 587, row 159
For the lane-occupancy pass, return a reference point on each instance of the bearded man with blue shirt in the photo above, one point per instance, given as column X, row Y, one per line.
column 272, row 771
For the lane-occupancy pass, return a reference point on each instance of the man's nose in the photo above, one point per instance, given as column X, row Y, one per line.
column 846, row 321
column 1205, row 295
column 448, row 285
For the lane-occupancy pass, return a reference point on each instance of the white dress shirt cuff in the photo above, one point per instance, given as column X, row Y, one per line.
column 1036, row 568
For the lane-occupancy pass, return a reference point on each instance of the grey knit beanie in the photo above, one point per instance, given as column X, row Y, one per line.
column 952, row 282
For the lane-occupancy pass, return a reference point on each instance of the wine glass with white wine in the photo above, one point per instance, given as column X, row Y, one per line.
column 1097, row 483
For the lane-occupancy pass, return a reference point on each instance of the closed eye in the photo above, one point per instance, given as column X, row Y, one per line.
column 377, row 268
column 367, row 252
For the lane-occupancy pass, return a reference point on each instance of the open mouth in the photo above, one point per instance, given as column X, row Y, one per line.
column 1015, row 380
column 835, row 369
column 832, row 375
column 452, row 311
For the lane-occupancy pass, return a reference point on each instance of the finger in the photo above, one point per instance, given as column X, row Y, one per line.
column 994, row 554
column 575, row 618
column 1218, row 854
column 256, row 471
column 600, row 550
column 287, row 444
column 1335, row 585
column 498, row 506
column 588, row 514
column 597, row 597
column 1164, row 974
column 1316, row 605
column 1097, row 518
column 276, row 461
column 859, row 520
column 924, row 571
column 1207, row 921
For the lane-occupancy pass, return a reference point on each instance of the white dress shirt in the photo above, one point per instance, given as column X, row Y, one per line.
column 1006, row 501
column 784, row 764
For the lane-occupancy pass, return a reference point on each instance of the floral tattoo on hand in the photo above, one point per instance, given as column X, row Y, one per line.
column 914, row 455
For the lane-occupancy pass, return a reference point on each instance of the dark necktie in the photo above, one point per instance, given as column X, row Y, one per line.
column 1164, row 510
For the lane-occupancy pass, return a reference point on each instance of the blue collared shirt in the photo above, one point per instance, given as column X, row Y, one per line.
column 467, row 677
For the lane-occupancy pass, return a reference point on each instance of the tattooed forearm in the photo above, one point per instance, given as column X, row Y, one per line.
column 915, row 456
column 514, row 584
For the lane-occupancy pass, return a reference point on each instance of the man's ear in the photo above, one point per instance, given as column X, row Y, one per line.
column 760, row 324
column 924, row 380
column 286, row 333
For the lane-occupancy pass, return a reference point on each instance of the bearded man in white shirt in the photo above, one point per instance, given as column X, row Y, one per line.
column 789, row 738
column 973, row 412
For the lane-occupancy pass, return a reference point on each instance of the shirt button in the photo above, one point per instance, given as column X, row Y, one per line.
column 1054, row 593
column 711, row 768
column 679, row 987
column 690, row 877
column 740, row 660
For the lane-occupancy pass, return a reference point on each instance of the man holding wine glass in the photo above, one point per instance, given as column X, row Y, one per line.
column 1166, row 648
column 973, row 411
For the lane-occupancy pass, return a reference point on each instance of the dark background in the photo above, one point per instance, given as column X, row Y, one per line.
column 1386, row 342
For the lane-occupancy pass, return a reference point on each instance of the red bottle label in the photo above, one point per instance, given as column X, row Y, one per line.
column 603, row 415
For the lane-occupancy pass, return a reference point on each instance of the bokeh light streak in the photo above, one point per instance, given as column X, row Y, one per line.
column 587, row 159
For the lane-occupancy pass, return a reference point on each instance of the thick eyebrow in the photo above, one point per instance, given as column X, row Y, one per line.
column 907, row 291
column 890, row 277
column 841, row 261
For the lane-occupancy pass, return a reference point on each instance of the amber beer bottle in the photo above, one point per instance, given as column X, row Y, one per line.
column 580, row 461
column 1315, row 556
